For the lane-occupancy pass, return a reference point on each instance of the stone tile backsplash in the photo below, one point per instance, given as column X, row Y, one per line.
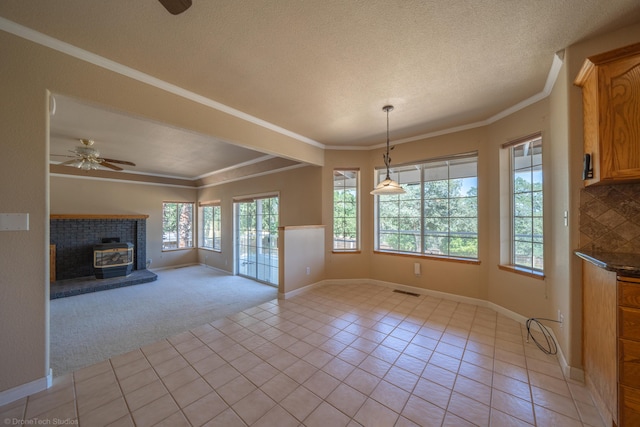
column 610, row 218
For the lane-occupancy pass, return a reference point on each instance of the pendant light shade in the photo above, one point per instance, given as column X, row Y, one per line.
column 388, row 186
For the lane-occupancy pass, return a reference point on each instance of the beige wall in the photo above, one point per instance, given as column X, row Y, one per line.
column 24, row 188
column 297, row 190
column 574, row 58
column 462, row 279
column 299, row 204
column 522, row 294
column 70, row 195
column 303, row 261
column 29, row 72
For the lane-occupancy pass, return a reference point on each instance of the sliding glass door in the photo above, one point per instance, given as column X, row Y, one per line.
column 256, row 222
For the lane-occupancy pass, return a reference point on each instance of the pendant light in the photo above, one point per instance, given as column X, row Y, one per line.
column 388, row 186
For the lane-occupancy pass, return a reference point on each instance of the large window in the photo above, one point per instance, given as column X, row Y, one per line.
column 177, row 225
column 438, row 214
column 527, row 237
column 345, row 210
column 211, row 226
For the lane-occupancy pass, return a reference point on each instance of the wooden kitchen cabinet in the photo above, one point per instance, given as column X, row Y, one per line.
column 611, row 343
column 610, row 85
column 599, row 338
column 628, row 351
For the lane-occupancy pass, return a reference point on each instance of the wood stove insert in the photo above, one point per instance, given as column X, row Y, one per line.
column 112, row 260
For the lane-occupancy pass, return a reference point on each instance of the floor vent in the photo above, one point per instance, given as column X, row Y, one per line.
column 406, row 293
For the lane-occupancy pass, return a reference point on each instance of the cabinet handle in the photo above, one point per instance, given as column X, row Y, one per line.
column 587, row 171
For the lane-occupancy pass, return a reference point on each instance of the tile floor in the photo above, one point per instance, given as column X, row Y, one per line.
column 349, row 355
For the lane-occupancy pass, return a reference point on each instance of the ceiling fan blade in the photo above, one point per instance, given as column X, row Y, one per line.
column 122, row 162
column 68, row 162
column 62, row 155
column 110, row 166
column 176, row 7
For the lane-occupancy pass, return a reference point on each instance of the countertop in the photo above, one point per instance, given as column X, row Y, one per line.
column 624, row 264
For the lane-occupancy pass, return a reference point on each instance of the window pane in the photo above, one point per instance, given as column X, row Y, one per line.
column 345, row 210
column 537, row 230
column 436, row 189
column 523, row 252
column 464, row 247
column 436, row 171
column 436, row 224
column 436, row 208
column 389, row 241
column 466, row 226
column 463, row 168
column 522, row 182
column 463, row 207
column 523, row 229
column 177, row 225
column 437, row 215
column 536, row 178
column 536, row 200
column 522, row 204
column 207, row 227
column 527, row 207
column 538, row 256
column 436, row 244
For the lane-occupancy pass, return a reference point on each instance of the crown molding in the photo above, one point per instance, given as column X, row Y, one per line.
column 92, row 58
column 554, row 71
column 66, row 48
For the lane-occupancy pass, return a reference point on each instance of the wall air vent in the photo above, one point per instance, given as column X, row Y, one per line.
column 398, row 291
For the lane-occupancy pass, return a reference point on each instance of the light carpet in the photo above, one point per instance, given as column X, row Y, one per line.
column 89, row 328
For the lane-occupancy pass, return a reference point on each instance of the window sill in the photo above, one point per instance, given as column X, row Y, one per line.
column 536, row 274
column 430, row 257
column 178, row 249
column 347, row 252
column 210, row 249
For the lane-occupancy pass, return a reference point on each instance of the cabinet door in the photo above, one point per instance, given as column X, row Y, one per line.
column 629, row 323
column 619, row 88
column 629, row 407
column 629, row 363
column 600, row 358
column 629, row 292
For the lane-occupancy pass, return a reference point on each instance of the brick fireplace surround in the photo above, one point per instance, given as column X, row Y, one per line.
column 74, row 237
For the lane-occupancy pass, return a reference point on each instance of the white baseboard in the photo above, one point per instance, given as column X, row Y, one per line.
column 569, row 371
column 25, row 390
column 215, row 268
column 172, row 267
column 287, row 295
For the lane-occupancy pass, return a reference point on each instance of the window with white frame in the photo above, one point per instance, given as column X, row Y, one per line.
column 345, row 210
column 211, row 226
column 527, row 234
column 177, row 225
column 438, row 214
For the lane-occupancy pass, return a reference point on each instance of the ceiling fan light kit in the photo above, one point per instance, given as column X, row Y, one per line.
column 388, row 186
column 88, row 158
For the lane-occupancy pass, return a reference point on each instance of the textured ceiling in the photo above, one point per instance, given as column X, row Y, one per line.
column 155, row 148
column 324, row 68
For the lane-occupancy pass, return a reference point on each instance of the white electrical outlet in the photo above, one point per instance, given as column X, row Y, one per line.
column 308, row 271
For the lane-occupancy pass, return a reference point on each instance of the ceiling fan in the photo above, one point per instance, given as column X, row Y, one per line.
column 88, row 158
column 176, row 7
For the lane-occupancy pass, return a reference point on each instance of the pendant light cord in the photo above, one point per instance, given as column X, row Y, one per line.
column 387, row 158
